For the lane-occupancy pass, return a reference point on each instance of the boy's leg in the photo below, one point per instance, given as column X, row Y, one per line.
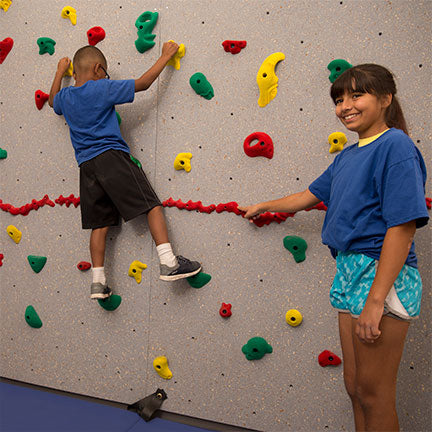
column 157, row 225
column 99, row 289
column 376, row 372
column 349, row 366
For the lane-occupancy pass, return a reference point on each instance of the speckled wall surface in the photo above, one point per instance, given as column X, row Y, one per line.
column 84, row 349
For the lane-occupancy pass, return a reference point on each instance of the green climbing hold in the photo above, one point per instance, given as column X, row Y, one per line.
column 111, row 303
column 37, row 262
column 46, row 45
column 337, row 67
column 3, row 153
column 297, row 246
column 199, row 280
column 145, row 24
column 118, row 118
column 199, row 83
column 135, row 161
column 256, row 348
column 32, row 317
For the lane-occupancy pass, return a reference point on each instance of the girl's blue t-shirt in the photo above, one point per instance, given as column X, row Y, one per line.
column 89, row 110
column 370, row 189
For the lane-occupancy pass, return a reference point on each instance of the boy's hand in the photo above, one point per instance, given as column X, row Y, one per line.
column 169, row 49
column 251, row 212
column 63, row 65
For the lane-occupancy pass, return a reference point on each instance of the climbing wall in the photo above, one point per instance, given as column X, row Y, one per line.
column 83, row 348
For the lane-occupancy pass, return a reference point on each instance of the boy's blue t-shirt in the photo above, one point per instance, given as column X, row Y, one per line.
column 89, row 111
column 370, row 189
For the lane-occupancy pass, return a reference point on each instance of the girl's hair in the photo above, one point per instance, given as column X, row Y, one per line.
column 376, row 80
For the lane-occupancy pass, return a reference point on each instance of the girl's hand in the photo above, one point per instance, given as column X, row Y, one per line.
column 367, row 327
column 63, row 65
column 169, row 49
column 251, row 212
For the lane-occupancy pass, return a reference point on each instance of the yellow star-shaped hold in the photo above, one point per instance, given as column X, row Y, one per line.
column 337, row 140
column 175, row 59
column 182, row 161
column 135, row 270
column 69, row 12
column 69, row 72
column 4, row 4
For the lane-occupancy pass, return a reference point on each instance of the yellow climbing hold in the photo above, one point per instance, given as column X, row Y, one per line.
column 14, row 233
column 69, row 12
column 293, row 317
column 267, row 79
column 161, row 367
column 4, row 4
column 337, row 140
column 69, row 71
column 182, row 161
column 175, row 59
column 135, row 270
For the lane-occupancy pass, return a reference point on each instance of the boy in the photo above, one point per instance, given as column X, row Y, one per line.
column 111, row 184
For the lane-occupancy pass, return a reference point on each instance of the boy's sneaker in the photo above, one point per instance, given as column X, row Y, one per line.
column 184, row 268
column 99, row 291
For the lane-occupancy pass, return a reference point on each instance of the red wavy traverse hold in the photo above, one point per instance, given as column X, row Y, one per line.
column 190, row 205
column 1, row 259
column 428, row 203
column 25, row 209
column 68, row 201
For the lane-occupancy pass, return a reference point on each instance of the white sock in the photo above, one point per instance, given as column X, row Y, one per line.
column 166, row 255
column 99, row 275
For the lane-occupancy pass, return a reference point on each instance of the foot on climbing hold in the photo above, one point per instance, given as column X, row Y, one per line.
column 161, row 367
column 32, row 317
column 337, row 140
column 5, row 47
column 37, row 262
column 14, row 233
column 199, row 280
column 264, row 146
column 336, row 68
column 40, row 99
column 267, row 80
column 145, row 24
column 175, row 59
column 95, row 35
column 293, row 317
column 225, row 310
column 135, row 161
column 233, row 46
column 46, row 45
column 135, row 270
column 183, row 161
column 297, row 246
column 256, row 348
column 3, row 153
column 69, row 12
column 199, row 83
column 111, row 303
column 4, row 4
column 327, row 358
column 83, row 265
column 69, row 71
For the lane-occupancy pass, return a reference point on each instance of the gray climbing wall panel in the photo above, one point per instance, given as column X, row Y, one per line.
column 84, row 349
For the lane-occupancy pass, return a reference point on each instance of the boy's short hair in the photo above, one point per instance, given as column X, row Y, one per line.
column 86, row 56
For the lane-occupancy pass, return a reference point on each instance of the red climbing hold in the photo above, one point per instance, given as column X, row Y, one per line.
column 225, row 310
column 1, row 259
column 264, row 147
column 190, row 205
column 40, row 98
column 327, row 358
column 68, row 201
column 95, row 35
column 231, row 207
column 319, row 206
column 234, row 47
column 267, row 218
column 5, row 47
column 428, row 202
column 83, row 265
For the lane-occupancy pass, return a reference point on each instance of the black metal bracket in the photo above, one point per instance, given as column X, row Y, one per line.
column 147, row 407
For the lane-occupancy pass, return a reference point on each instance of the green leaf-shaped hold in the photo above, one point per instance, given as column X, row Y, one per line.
column 37, row 262
column 256, row 348
column 111, row 303
column 118, row 118
column 199, row 280
column 3, row 153
column 32, row 317
column 145, row 24
column 46, row 45
column 199, row 83
column 336, row 68
column 297, row 246
column 135, row 161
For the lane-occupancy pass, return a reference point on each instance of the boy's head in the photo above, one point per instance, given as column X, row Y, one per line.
column 89, row 64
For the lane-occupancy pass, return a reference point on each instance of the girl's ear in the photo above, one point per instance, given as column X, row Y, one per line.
column 386, row 100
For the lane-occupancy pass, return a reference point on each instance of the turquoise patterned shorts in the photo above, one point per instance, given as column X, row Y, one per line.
column 355, row 273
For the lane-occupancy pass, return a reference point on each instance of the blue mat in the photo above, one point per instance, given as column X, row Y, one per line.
column 26, row 410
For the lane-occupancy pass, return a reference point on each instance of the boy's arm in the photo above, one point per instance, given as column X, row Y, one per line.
column 146, row 79
column 62, row 67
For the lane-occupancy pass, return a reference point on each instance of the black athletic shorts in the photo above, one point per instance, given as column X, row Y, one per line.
column 112, row 185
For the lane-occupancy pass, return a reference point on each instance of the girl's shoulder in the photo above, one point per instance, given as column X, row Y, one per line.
column 397, row 146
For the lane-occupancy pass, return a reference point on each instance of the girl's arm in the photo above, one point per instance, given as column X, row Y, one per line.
column 289, row 204
column 397, row 243
column 62, row 67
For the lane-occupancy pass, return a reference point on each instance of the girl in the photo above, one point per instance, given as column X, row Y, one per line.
column 374, row 191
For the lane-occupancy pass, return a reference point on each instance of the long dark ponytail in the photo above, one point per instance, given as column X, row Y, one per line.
column 374, row 79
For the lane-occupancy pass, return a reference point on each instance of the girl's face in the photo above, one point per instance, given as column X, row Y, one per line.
column 363, row 112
